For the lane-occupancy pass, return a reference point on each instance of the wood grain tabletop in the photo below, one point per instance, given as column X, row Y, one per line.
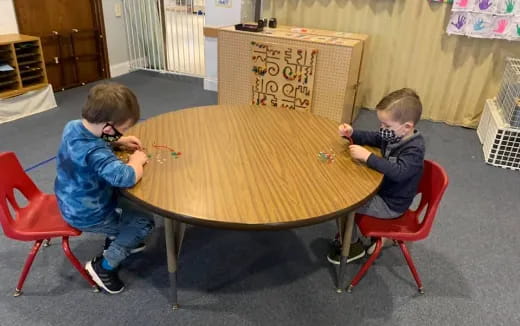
column 248, row 167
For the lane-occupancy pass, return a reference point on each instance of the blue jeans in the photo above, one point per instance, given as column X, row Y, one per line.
column 128, row 226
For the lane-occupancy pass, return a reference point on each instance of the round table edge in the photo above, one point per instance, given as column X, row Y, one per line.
column 243, row 226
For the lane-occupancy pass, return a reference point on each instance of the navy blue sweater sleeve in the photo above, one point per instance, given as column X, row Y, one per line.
column 408, row 164
column 370, row 138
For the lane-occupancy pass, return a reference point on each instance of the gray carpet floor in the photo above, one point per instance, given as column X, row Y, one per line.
column 469, row 264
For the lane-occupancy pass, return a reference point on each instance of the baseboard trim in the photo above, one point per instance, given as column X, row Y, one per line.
column 210, row 84
column 119, row 69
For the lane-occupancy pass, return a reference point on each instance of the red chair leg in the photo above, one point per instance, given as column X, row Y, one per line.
column 366, row 266
column 409, row 260
column 76, row 263
column 27, row 267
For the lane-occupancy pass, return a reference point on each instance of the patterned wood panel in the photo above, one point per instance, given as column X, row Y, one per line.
column 336, row 76
column 282, row 76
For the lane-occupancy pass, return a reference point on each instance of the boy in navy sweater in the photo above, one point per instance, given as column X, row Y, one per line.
column 402, row 147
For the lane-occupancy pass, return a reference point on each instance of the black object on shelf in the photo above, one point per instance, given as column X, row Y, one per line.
column 249, row 27
column 8, row 82
column 273, row 23
column 28, row 78
column 7, row 74
column 25, row 63
column 25, row 55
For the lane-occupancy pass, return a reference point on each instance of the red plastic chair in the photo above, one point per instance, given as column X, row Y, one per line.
column 38, row 221
column 407, row 227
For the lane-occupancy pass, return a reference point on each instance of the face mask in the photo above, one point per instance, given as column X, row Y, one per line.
column 389, row 135
column 111, row 138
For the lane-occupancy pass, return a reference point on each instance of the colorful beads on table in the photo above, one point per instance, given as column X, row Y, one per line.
column 326, row 157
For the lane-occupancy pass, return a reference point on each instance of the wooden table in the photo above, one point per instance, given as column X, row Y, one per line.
column 251, row 168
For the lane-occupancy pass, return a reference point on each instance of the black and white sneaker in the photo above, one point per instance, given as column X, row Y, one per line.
column 108, row 280
column 140, row 247
column 356, row 252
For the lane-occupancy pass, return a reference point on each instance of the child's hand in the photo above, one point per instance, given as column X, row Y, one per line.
column 130, row 143
column 345, row 130
column 138, row 157
column 359, row 153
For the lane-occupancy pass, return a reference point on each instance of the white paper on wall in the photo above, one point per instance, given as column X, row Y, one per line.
column 501, row 26
column 514, row 30
column 480, row 25
column 497, row 19
column 507, row 7
column 458, row 22
column 463, row 5
column 485, row 6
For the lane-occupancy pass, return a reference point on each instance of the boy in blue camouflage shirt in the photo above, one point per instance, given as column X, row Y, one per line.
column 89, row 173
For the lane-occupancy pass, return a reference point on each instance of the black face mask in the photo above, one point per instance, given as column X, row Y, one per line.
column 389, row 135
column 111, row 138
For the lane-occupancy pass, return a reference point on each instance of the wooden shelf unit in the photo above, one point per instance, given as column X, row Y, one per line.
column 24, row 54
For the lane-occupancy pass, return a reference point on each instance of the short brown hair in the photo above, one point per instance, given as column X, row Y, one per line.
column 404, row 104
column 111, row 102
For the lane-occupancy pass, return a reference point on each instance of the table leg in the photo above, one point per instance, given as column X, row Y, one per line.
column 179, row 235
column 171, row 255
column 347, row 225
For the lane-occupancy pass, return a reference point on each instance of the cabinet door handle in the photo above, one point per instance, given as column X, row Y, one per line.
column 56, row 60
column 55, row 33
column 75, row 30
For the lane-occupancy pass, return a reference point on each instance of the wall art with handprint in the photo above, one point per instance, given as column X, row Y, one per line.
column 500, row 26
column 485, row 6
column 514, row 29
column 463, row 5
column 480, row 25
column 485, row 19
column 508, row 7
column 458, row 23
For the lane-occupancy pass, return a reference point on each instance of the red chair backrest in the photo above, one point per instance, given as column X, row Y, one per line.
column 13, row 177
column 434, row 182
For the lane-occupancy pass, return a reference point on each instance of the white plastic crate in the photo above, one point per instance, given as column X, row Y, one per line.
column 508, row 97
column 501, row 143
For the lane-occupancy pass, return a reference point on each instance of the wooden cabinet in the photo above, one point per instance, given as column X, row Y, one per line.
column 24, row 54
column 72, row 36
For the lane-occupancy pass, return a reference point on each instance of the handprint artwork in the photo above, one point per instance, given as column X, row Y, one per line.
column 510, row 6
column 461, row 21
column 478, row 25
column 501, row 26
column 486, row 19
column 462, row 3
column 484, row 4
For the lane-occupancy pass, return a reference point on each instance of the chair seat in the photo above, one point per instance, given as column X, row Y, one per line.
column 41, row 219
column 404, row 227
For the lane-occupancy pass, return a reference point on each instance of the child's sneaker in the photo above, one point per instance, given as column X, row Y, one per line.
column 356, row 252
column 140, row 247
column 108, row 280
column 386, row 243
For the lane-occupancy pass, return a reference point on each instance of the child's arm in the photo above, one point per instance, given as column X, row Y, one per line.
column 360, row 137
column 369, row 138
column 109, row 167
column 409, row 162
column 129, row 143
column 137, row 160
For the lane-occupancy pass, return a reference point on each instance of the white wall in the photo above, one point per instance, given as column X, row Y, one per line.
column 116, row 38
column 217, row 16
column 8, row 23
